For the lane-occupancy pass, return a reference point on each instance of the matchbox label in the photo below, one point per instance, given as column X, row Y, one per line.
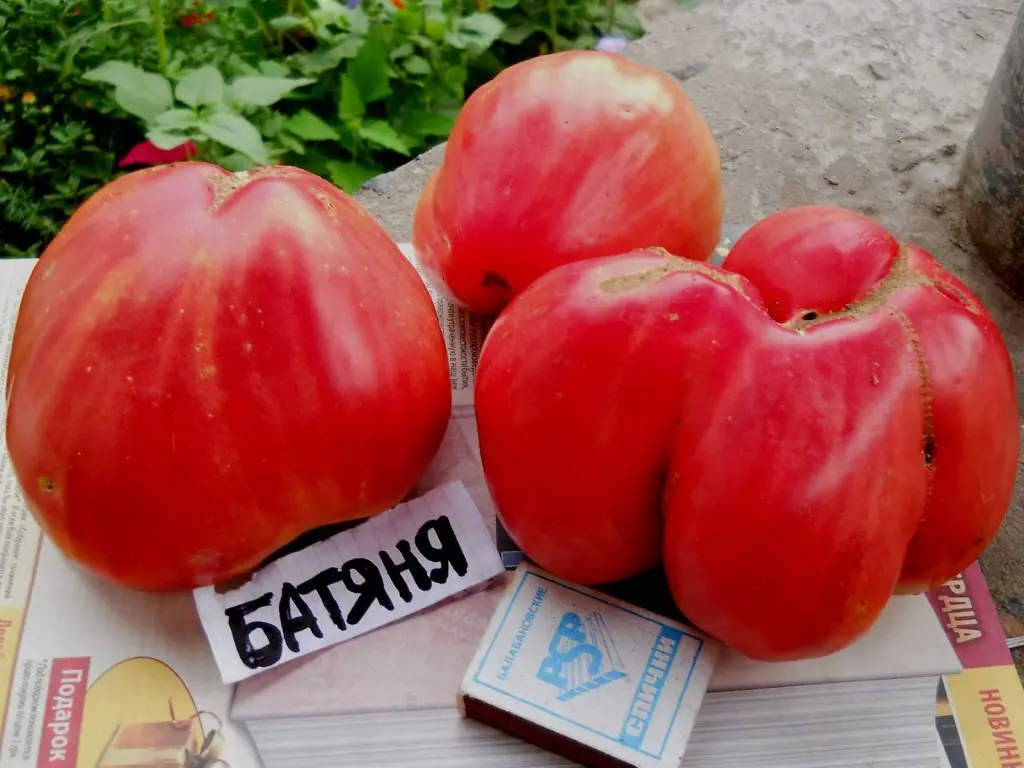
column 620, row 679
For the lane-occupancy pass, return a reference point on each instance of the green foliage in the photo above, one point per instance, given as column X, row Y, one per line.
column 57, row 145
column 344, row 89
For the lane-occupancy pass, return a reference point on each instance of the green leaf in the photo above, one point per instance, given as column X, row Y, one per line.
column 627, row 23
column 435, row 28
column 357, row 20
column 174, row 119
column 273, row 125
column 286, row 23
column 166, row 139
column 137, row 92
column 237, row 161
column 584, row 42
column 350, row 176
column 476, row 33
column 144, row 102
column 380, row 133
column 417, row 65
column 428, row 124
column 409, row 21
column 402, row 50
column 370, row 69
column 505, row 4
column 78, row 40
column 517, row 34
column 235, row 132
column 201, row 86
column 351, row 103
column 330, row 9
column 308, row 126
column 261, row 91
column 323, row 58
column 291, row 143
column 272, row 68
column 112, row 72
column 456, row 77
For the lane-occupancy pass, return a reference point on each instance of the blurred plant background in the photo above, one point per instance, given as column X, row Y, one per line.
column 350, row 89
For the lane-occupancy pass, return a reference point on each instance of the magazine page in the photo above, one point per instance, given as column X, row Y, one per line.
column 980, row 711
column 464, row 335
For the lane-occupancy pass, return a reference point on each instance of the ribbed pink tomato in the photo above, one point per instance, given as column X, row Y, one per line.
column 826, row 420
column 206, row 365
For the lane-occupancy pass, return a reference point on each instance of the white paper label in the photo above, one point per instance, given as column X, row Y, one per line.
column 391, row 566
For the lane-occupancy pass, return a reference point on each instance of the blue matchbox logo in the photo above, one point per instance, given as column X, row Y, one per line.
column 581, row 656
column 598, row 670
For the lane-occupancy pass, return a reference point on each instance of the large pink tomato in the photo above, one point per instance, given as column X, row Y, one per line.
column 827, row 420
column 566, row 157
column 206, row 366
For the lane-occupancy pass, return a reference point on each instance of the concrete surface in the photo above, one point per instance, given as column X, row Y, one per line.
column 866, row 104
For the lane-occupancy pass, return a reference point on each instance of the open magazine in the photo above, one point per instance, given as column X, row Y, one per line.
column 92, row 675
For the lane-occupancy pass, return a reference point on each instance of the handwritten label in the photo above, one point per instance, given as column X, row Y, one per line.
column 393, row 565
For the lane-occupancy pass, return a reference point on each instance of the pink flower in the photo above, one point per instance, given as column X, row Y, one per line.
column 146, row 153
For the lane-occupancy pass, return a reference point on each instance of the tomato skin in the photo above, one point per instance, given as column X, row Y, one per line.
column 565, row 157
column 973, row 419
column 828, row 419
column 202, row 369
column 578, row 395
column 787, row 537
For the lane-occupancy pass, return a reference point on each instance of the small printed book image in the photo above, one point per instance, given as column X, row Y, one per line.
column 174, row 743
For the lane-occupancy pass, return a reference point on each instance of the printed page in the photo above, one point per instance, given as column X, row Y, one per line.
column 464, row 335
column 19, row 534
column 92, row 674
column 980, row 711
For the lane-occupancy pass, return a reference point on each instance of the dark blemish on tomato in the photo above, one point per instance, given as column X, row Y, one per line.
column 494, row 280
column 929, row 451
column 47, row 484
column 808, row 316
